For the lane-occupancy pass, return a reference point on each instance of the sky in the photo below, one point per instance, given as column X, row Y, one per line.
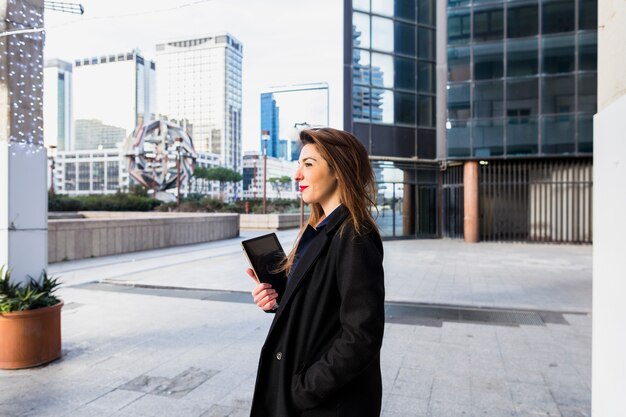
column 286, row 42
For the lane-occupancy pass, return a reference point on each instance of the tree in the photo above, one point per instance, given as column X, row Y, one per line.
column 200, row 174
column 279, row 183
column 223, row 176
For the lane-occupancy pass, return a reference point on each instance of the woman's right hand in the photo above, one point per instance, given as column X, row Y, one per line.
column 264, row 295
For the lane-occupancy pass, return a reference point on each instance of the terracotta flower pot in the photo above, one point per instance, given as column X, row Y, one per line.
column 30, row 338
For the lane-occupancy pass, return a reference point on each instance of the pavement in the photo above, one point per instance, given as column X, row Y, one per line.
column 488, row 329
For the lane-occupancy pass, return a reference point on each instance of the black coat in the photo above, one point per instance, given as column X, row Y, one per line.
column 322, row 353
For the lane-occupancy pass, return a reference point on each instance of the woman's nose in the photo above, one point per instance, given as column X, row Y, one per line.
column 297, row 175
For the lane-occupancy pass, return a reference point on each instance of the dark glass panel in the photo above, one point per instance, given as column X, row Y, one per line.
column 522, row 58
column 588, row 52
column 588, row 14
column 557, row 134
column 458, row 26
column 426, row 77
column 405, row 108
column 488, row 23
column 587, row 93
column 455, row 3
column 362, row 133
column 558, row 94
column 558, row 16
column 488, row 99
column 426, row 43
column 522, row 136
column 558, row 54
column 404, row 39
column 488, row 61
column 405, row 73
column 405, row 9
column 458, row 138
column 426, row 146
column 426, row 12
column 427, row 111
column 585, row 133
column 459, row 101
column 522, row 20
column 488, row 137
column 458, row 64
column 522, row 97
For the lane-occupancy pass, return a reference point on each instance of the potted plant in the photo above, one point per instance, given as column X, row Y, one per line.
column 30, row 321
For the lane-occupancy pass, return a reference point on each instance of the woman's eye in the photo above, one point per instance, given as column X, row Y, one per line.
column 308, row 164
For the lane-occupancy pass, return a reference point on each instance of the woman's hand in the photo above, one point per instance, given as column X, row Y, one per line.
column 264, row 295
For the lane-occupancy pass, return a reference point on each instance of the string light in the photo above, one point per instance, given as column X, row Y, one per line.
column 21, row 58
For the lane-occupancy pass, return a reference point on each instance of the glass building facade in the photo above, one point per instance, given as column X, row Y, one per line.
column 391, row 88
column 521, row 78
column 390, row 105
column 269, row 123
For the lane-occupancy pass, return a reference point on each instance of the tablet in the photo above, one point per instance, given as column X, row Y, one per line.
column 265, row 254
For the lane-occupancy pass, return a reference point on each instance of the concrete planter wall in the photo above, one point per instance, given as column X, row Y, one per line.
column 111, row 233
column 271, row 221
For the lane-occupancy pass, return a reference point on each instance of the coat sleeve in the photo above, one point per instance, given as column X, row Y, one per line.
column 360, row 280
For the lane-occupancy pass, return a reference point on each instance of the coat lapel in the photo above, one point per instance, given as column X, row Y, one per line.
column 309, row 257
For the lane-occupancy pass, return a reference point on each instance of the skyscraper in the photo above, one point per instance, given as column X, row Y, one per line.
column 200, row 80
column 269, row 123
column 57, row 105
column 115, row 91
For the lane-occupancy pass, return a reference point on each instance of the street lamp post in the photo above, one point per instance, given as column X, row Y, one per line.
column 52, row 152
column 265, row 135
column 178, row 146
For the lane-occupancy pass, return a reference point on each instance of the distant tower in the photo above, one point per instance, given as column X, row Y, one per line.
column 57, row 106
column 200, row 80
column 113, row 95
column 269, row 122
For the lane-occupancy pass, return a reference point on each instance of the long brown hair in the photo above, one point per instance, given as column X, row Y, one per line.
column 348, row 161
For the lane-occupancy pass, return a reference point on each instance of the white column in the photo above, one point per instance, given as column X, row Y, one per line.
column 23, row 162
column 609, row 215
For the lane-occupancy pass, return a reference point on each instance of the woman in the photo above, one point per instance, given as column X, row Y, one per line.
column 322, row 353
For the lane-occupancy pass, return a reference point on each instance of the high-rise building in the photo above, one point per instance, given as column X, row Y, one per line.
column 521, row 88
column 270, row 124
column 390, row 105
column 116, row 90
column 498, row 99
column 200, row 80
column 57, row 105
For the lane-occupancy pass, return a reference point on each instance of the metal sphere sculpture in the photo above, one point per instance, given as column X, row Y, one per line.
column 157, row 153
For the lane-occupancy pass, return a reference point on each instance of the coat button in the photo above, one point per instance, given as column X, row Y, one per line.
column 279, row 355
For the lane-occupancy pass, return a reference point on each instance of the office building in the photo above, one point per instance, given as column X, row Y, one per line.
column 85, row 172
column 200, row 80
column 111, row 93
column 390, row 105
column 270, row 125
column 57, row 104
column 504, row 90
column 521, row 98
